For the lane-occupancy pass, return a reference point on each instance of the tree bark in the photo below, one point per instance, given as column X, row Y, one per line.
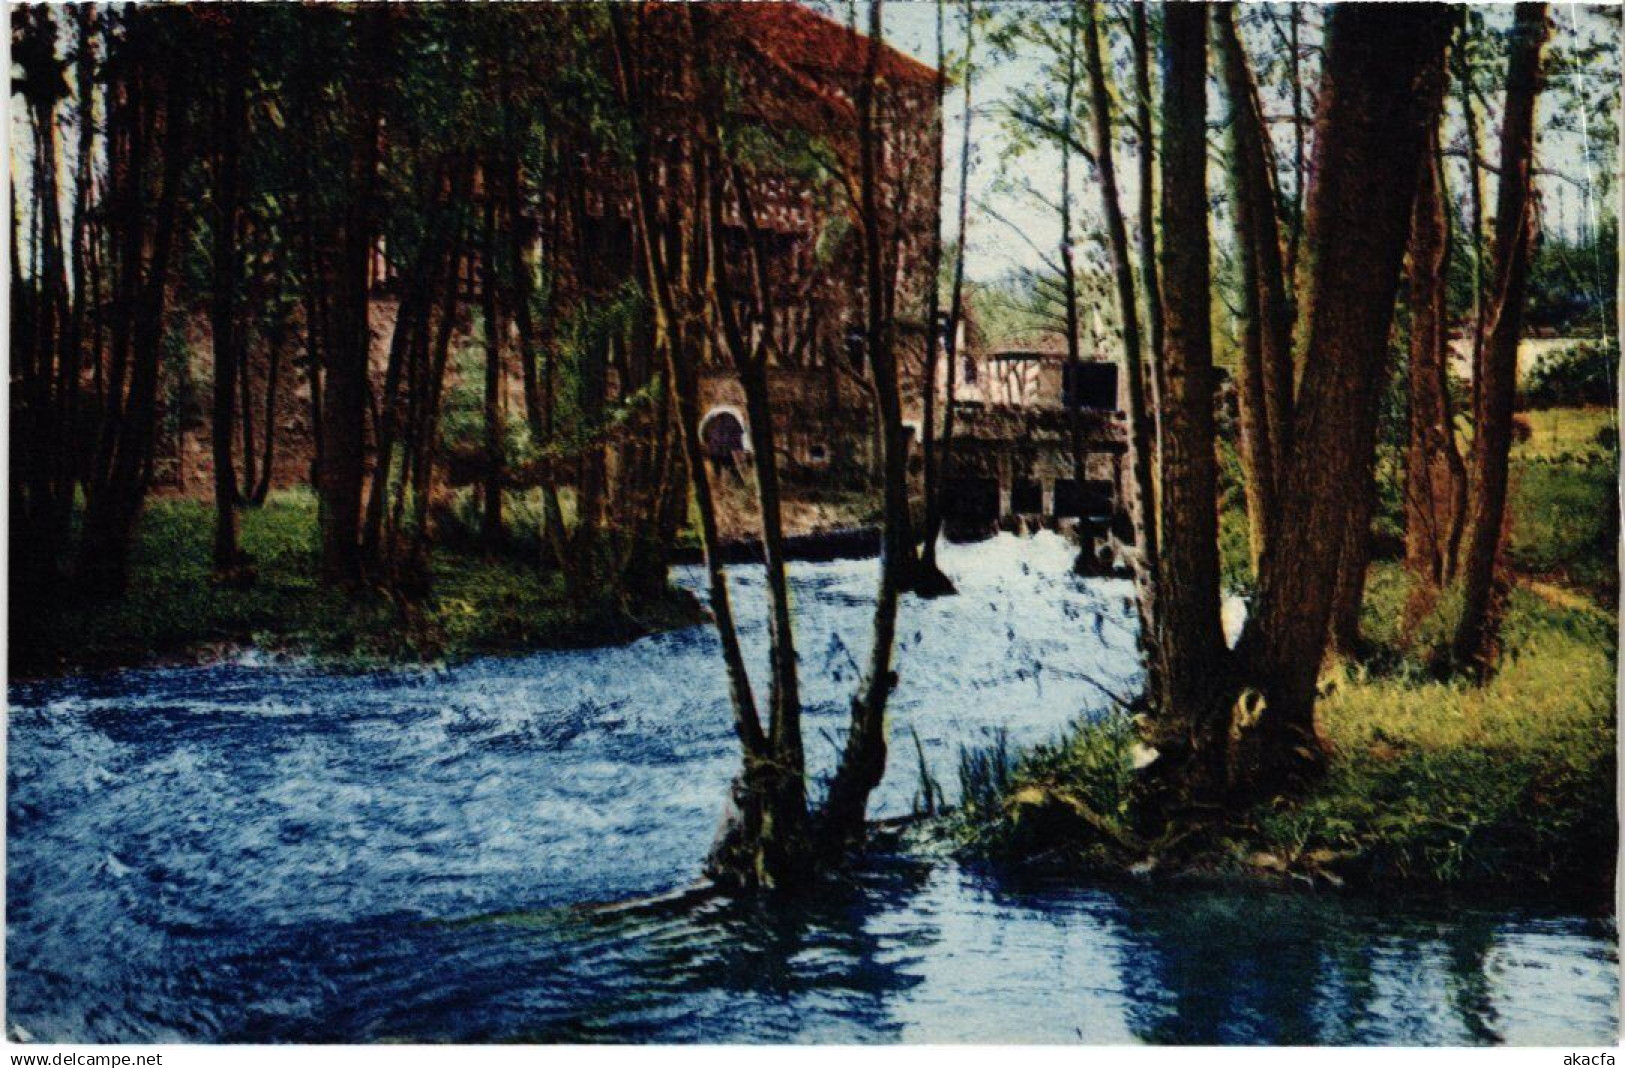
column 1479, row 629
column 1435, row 477
column 1354, row 557
column 491, row 496
column 956, row 295
column 1140, row 451
column 1150, row 278
column 1188, row 728
column 345, row 389
column 928, row 579
column 230, row 117
column 1266, row 362
column 117, row 489
column 863, row 759
column 1382, row 85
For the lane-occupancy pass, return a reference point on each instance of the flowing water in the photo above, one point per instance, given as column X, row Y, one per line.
column 265, row 852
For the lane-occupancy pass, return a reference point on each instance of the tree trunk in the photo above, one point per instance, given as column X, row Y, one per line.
column 1188, row 729
column 956, row 298
column 345, row 389
column 230, row 117
column 115, row 493
column 273, row 371
column 1497, row 377
column 1140, row 451
column 1475, row 200
column 1354, row 557
column 1300, row 171
column 863, row 759
column 1150, row 278
column 1435, row 478
column 1382, row 85
column 760, row 844
column 928, row 579
column 1266, row 361
column 491, row 514
column 1069, row 274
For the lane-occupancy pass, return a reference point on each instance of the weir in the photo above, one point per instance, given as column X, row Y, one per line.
column 1047, row 466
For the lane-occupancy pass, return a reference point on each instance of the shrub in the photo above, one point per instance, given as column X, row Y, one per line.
column 1583, row 373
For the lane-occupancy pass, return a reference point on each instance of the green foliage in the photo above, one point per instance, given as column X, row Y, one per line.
column 1235, row 536
column 1565, row 499
column 1586, row 372
column 1571, row 282
column 1090, row 767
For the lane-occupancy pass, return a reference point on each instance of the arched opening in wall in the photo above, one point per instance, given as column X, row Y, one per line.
column 723, row 433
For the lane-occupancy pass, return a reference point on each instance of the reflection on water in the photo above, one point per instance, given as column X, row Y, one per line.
column 251, row 852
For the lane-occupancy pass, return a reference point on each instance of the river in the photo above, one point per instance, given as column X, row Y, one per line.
column 261, row 851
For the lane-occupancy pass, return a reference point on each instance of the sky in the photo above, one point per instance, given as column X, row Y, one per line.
column 1007, row 228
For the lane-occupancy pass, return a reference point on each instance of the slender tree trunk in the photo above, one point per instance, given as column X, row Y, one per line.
column 1151, row 280
column 956, row 296
column 863, row 759
column 1069, row 274
column 1140, row 451
column 1300, row 172
column 1354, row 557
column 750, row 361
column 1475, row 202
column 491, row 516
column 928, row 579
column 115, row 498
column 1266, row 362
column 345, row 388
column 1479, row 629
column 1435, row 477
column 758, row 845
column 273, row 370
column 226, row 256
column 45, row 381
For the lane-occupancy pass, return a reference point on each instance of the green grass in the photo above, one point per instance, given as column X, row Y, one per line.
column 1565, row 523
column 1449, row 782
column 1565, row 500
column 174, row 608
column 1556, row 433
column 1439, row 783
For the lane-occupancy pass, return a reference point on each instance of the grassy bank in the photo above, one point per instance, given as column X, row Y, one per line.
column 1432, row 782
column 1565, row 500
column 175, row 609
column 1439, row 783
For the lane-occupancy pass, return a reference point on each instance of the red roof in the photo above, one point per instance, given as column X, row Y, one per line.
column 803, row 38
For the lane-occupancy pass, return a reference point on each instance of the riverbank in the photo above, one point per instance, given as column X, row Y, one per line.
column 1434, row 783
column 1438, row 784
column 175, row 612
